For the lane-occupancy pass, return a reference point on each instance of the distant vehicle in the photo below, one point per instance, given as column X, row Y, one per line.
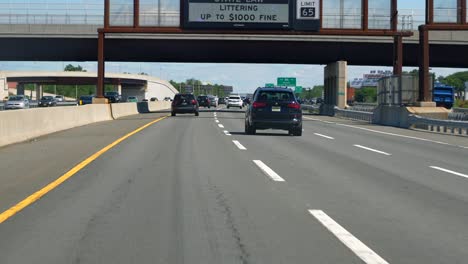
column 204, row 101
column 222, row 100
column 144, row 100
column 235, row 101
column 86, row 99
column 5, row 98
column 167, row 99
column 319, row 101
column 154, row 99
column 443, row 95
column 47, row 101
column 113, row 97
column 132, row 99
column 213, row 101
column 184, row 104
column 274, row 108
column 17, row 102
column 246, row 101
column 59, row 98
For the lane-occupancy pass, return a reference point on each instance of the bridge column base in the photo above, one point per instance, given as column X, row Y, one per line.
column 97, row 100
column 336, row 80
column 397, row 116
column 426, row 104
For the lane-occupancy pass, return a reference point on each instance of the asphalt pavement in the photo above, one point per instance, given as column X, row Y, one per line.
column 198, row 190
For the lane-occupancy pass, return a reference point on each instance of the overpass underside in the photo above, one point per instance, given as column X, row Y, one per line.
column 226, row 51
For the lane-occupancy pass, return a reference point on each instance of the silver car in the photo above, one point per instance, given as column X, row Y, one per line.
column 17, row 102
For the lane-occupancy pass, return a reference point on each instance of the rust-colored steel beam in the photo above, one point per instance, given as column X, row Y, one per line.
column 462, row 8
column 136, row 13
column 365, row 15
column 321, row 14
column 106, row 13
column 446, row 26
column 394, row 15
column 398, row 55
column 429, row 12
column 182, row 12
column 424, row 93
column 177, row 30
column 101, row 66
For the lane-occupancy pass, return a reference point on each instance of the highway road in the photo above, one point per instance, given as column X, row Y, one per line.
column 198, row 190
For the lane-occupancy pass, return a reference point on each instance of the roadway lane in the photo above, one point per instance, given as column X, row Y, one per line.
column 395, row 204
column 178, row 192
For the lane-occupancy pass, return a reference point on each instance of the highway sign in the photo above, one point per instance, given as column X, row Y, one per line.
column 249, row 14
column 308, row 9
column 298, row 89
column 270, row 85
column 287, row 81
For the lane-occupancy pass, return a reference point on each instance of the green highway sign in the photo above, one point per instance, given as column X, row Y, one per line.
column 298, row 89
column 270, row 85
column 287, row 81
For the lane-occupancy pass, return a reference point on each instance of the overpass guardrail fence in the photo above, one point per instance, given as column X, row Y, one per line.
column 438, row 125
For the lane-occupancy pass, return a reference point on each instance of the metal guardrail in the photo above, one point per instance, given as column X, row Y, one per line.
column 312, row 109
column 363, row 107
column 355, row 115
column 438, row 125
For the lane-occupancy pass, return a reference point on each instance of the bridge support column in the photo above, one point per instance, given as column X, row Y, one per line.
column 39, row 91
column 425, row 96
column 335, row 87
column 3, row 87
column 398, row 55
column 20, row 89
column 100, row 99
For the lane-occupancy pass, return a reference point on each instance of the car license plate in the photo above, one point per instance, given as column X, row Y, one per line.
column 276, row 108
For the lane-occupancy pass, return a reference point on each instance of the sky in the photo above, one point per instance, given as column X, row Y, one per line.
column 244, row 77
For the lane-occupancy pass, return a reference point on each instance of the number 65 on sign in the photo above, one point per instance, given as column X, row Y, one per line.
column 308, row 9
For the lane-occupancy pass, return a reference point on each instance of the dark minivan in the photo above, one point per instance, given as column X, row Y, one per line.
column 274, row 108
column 184, row 104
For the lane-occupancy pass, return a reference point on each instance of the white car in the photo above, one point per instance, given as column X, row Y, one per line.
column 235, row 101
column 59, row 98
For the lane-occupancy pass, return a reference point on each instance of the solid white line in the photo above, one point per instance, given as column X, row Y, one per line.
column 320, row 135
column 450, row 171
column 227, row 133
column 393, row 134
column 269, row 172
column 374, row 150
column 221, row 126
column 328, row 122
column 358, row 248
column 239, row 145
column 217, row 121
column 313, row 119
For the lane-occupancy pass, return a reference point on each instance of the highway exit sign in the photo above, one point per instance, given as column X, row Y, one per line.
column 270, row 85
column 298, row 89
column 287, row 81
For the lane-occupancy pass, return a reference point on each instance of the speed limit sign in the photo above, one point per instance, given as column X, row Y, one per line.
column 308, row 9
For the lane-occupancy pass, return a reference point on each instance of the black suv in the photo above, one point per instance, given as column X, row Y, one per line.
column 204, row 101
column 184, row 104
column 47, row 101
column 274, row 108
column 113, row 97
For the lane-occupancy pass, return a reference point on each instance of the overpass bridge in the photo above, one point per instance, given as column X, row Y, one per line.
column 66, row 42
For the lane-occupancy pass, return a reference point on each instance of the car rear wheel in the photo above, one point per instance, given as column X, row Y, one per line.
column 249, row 130
column 173, row 114
column 228, row 107
column 296, row 131
column 197, row 114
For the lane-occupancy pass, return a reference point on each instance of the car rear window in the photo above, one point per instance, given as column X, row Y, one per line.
column 183, row 97
column 275, row 96
column 234, row 97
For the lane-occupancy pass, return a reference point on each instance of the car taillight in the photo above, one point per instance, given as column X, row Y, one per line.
column 258, row 105
column 294, row 105
column 194, row 102
column 208, row 100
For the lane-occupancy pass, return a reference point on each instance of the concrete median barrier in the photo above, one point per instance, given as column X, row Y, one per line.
column 158, row 106
column 21, row 125
column 123, row 109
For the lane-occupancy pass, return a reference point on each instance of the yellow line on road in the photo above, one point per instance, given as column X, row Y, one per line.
column 37, row 195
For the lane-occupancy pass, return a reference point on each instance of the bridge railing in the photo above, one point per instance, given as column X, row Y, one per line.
column 92, row 13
